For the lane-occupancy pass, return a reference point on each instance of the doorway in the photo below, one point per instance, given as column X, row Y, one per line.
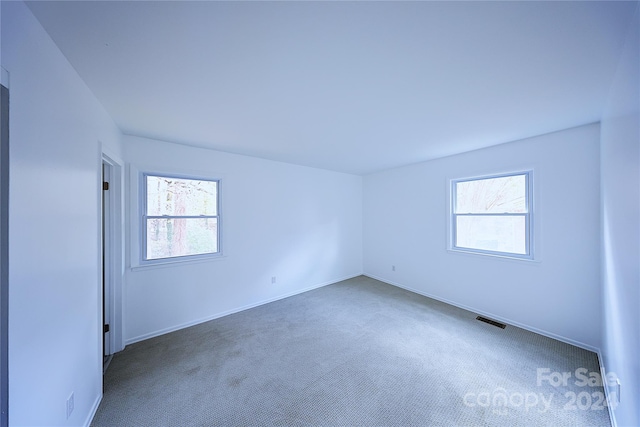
column 111, row 235
column 107, row 300
column 4, row 250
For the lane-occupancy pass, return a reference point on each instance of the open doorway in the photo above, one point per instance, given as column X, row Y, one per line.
column 106, row 263
column 4, row 250
column 112, row 257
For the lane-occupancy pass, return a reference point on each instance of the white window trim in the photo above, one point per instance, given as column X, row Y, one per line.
column 138, row 211
column 529, row 218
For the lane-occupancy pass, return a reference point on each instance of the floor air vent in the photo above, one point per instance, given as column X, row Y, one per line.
column 491, row 322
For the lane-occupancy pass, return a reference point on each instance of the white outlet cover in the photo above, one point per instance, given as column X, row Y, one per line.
column 70, row 405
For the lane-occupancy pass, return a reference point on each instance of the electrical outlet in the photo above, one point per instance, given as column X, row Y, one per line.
column 393, row 268
column 70, row 405
column 273, row 280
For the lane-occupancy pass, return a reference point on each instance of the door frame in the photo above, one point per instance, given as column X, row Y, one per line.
column 4, row 249
column 114, row 252
column 107, row 270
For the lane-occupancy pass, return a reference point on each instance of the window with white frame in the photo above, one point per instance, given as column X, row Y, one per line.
column 493, row 215
column 180, row 217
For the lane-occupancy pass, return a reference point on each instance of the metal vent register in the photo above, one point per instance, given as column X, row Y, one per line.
column 491, row 322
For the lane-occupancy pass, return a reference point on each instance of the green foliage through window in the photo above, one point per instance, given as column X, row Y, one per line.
column 181, row 217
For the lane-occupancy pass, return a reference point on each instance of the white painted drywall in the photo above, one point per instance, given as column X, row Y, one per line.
column 55, row 340
column 405, row 224
column 4, row 75
column 620, row 165
column 299, row 224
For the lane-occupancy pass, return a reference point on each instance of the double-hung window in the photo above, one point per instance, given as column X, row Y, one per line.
column 493, row 215
column 180, row 218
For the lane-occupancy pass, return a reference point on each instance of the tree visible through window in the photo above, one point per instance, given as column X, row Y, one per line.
column 493, row 215
column 181, row 217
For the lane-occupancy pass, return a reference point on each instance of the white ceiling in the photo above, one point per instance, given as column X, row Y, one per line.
column 349, row 86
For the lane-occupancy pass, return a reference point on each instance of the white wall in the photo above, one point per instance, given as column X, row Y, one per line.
column 56, row 124
column 405, row 224
column 300, row 224
column 620, row 165
column 304, row 226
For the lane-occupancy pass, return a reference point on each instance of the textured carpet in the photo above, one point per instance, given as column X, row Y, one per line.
column 356, row 353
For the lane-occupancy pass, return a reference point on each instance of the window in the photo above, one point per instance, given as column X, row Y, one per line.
column 492, row 215
column 180, row 217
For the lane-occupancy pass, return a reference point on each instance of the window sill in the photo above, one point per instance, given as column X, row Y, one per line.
column 177, row 262
column 491, row 255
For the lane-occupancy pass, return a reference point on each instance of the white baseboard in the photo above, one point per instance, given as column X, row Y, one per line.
column 605, row 386
column 491, row 315
column 232, row 311
column 94, row 409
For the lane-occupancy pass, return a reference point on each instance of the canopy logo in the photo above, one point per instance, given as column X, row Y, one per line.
column 591, row 397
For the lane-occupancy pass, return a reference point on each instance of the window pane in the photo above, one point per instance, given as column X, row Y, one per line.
column 492, row 233
column 506, row 194
column 179, row 237
column 181, row 197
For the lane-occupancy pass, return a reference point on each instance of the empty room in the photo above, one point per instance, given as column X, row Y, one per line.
column 320, row 213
